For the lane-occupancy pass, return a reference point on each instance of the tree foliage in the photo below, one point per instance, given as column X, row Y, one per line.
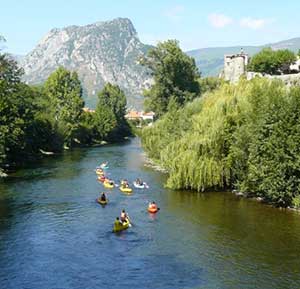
column 65, row 95
column 241, row 136
column 110, row 111
column 272, row 62
column 175, row 77
column 47, row 117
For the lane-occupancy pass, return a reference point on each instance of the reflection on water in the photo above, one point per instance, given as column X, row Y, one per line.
column 54, row 235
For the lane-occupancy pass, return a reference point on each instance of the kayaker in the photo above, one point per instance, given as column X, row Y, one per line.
column 103, row 197
column 124, row 183
column 152, row 205
column 124, row 216
column 118, row 222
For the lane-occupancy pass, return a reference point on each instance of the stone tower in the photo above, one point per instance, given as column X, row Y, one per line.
column 235, row 66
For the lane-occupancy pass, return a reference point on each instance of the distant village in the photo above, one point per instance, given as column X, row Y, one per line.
column 133, row 115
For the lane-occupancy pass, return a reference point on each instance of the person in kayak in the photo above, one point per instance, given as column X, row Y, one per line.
column 124, row 184
column 103, row 197
column 152, row 205
column 124, row 216
column 104, row 165
column 118, row 222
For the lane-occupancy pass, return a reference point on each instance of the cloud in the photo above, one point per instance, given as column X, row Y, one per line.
column 219, row 20
column 175, row 13
column 253, row 23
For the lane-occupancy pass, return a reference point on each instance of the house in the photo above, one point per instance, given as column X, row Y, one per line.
column 86, row 109
column 133, row 115
column 148, row 115
column 140, row 116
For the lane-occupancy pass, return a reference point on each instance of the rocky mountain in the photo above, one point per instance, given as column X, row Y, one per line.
column 210, row 60
column 100, row 52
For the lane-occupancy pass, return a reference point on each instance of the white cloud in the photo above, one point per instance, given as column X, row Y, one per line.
column 219, row 20
column 175, row 13
column 254, row 23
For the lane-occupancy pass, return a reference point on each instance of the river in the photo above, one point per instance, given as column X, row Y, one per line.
column 54, row 235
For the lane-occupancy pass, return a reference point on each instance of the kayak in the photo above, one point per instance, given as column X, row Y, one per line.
column 104, row 167
column 138, row 186
column 153, row 210
column 126, row 190
column 108, row 185
column 120, row 227
column 103, row 203
column 101, row 179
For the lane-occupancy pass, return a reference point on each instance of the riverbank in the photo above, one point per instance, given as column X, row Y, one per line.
column 42, row 155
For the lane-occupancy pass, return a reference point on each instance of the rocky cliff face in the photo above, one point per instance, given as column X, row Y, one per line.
column 100, row 52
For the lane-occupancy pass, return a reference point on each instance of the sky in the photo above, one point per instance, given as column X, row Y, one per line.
column 196, row 24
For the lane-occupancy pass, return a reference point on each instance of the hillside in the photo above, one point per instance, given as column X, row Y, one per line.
column 210, row 60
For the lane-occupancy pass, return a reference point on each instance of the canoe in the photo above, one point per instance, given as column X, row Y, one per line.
column 126, row 190
column 143, row 186
column 108, row 185
column 153, row 210
column 120, row 227
column 103, row 203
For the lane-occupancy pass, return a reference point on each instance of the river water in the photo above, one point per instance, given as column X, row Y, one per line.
column 54, row 235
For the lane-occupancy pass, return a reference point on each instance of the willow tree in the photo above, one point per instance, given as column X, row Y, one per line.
column 175, row 77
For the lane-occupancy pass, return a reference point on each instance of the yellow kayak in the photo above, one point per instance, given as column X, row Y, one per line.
column 103, row 203
column 126, row 190
column 108, row 185
column 99, row 173
column 120, row 227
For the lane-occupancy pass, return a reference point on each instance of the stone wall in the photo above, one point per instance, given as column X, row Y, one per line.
column 288, row 79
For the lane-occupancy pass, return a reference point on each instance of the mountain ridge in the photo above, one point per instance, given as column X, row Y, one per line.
column 105, row 51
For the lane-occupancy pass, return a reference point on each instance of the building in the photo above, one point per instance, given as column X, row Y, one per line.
column 140, row 116
column 133, row 115
column 235, row 66
column 86, row 109
column 148, row 115
column 296, row 66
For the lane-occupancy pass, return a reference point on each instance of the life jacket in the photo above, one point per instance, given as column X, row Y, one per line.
column 152, row 206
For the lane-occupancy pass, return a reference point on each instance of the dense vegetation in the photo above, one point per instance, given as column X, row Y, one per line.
column 244, row 137
column 175, row 77
column 51, row 117
column 272, row 61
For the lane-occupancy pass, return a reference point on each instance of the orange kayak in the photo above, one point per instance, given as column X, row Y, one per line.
column 153, row 210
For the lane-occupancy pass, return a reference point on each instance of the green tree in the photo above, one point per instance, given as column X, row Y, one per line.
column 175, row 76
column 272, row 62
column 65, row 95
column 113, row 97
column 16, row 111
column 109, row 117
